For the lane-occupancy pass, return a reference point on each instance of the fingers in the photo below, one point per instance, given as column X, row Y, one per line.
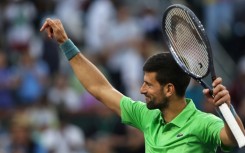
column 220, row 93
column 206, row 93
column 54, row 29
column 48, row 23
column 49, row 31
column 217, row 81
column 48, row 27
column 45, row 25
column 208, row 96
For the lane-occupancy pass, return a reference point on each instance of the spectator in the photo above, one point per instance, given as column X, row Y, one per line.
column 43, row 115
column 67, row 138
column 6, row 84
column 19, row 17
column 63, row 96
column 237, row 88
column 31, row 75
column 97, row 29
column 21, row 140
column 218, row 16
column 123, row 43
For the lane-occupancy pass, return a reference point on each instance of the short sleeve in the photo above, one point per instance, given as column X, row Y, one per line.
column 211, row 128
column 134, row 113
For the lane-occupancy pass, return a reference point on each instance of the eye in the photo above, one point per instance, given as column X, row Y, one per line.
column 148, row 84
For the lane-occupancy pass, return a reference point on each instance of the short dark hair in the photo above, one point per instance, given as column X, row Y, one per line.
column 168, row 71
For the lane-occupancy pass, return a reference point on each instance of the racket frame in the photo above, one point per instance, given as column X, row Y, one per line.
column 203, row 34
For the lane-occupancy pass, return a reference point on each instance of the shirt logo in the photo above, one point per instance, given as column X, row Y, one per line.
column 180, row 135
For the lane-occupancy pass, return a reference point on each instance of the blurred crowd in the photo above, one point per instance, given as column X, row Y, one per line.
column 44, row 108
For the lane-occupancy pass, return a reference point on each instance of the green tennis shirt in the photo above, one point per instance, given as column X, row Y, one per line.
column 192, row 131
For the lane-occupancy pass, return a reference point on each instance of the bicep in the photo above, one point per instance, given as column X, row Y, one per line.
column 96, row 83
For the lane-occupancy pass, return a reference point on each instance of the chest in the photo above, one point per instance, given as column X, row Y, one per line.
column 169, row 134
column 169, row 138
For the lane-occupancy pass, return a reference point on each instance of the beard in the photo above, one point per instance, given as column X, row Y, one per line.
column 161, row 104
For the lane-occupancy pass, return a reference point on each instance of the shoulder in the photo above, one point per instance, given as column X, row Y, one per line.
column 127, row 103
column 207, row 123
column 207, row 116
column 136, row 112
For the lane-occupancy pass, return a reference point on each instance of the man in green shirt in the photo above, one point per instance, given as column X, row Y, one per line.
column 191, row 131
column 169, row 121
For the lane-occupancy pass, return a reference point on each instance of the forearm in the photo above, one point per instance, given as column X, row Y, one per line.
column 96, row 83
column 88, row 75
column 91, row 78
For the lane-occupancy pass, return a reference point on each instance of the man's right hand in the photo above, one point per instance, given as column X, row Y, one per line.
column 55, row 29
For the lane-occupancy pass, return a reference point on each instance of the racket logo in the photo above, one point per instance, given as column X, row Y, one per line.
column 176, row 21
column 200, row 65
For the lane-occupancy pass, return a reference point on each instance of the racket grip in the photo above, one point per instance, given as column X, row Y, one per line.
column 233, row 125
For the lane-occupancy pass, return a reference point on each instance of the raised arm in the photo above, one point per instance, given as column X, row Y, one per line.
column 221, row 95
column 87, row 73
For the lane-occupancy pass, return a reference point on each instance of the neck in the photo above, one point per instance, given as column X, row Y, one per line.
column 174, row 109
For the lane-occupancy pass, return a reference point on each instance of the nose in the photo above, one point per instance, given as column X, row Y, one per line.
column 143, row 89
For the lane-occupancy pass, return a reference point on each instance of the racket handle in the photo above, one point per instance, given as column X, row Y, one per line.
column 233, row 125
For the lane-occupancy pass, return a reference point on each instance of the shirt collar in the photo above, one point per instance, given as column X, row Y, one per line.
column 186, row 113
column 184, row 116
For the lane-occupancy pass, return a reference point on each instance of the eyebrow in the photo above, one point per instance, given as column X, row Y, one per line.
column 148, row 83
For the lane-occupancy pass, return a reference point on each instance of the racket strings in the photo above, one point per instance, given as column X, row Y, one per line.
column 187, row 42
column 185, row 45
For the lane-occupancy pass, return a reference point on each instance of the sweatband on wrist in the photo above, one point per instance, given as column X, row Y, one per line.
column 69, row 49
column 233, row 111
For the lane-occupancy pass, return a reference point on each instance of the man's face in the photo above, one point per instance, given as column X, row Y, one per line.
column 154, row 93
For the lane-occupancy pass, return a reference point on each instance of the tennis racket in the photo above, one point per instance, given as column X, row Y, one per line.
column 189, row 45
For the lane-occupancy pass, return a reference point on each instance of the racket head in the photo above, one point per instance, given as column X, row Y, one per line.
column 187, row 41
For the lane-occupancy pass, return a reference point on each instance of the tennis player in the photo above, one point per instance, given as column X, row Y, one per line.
column 170, row 122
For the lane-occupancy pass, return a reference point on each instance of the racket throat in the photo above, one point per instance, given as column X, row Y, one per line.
column 204, row 85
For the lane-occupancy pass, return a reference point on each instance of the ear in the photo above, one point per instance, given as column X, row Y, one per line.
column 169, row 89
